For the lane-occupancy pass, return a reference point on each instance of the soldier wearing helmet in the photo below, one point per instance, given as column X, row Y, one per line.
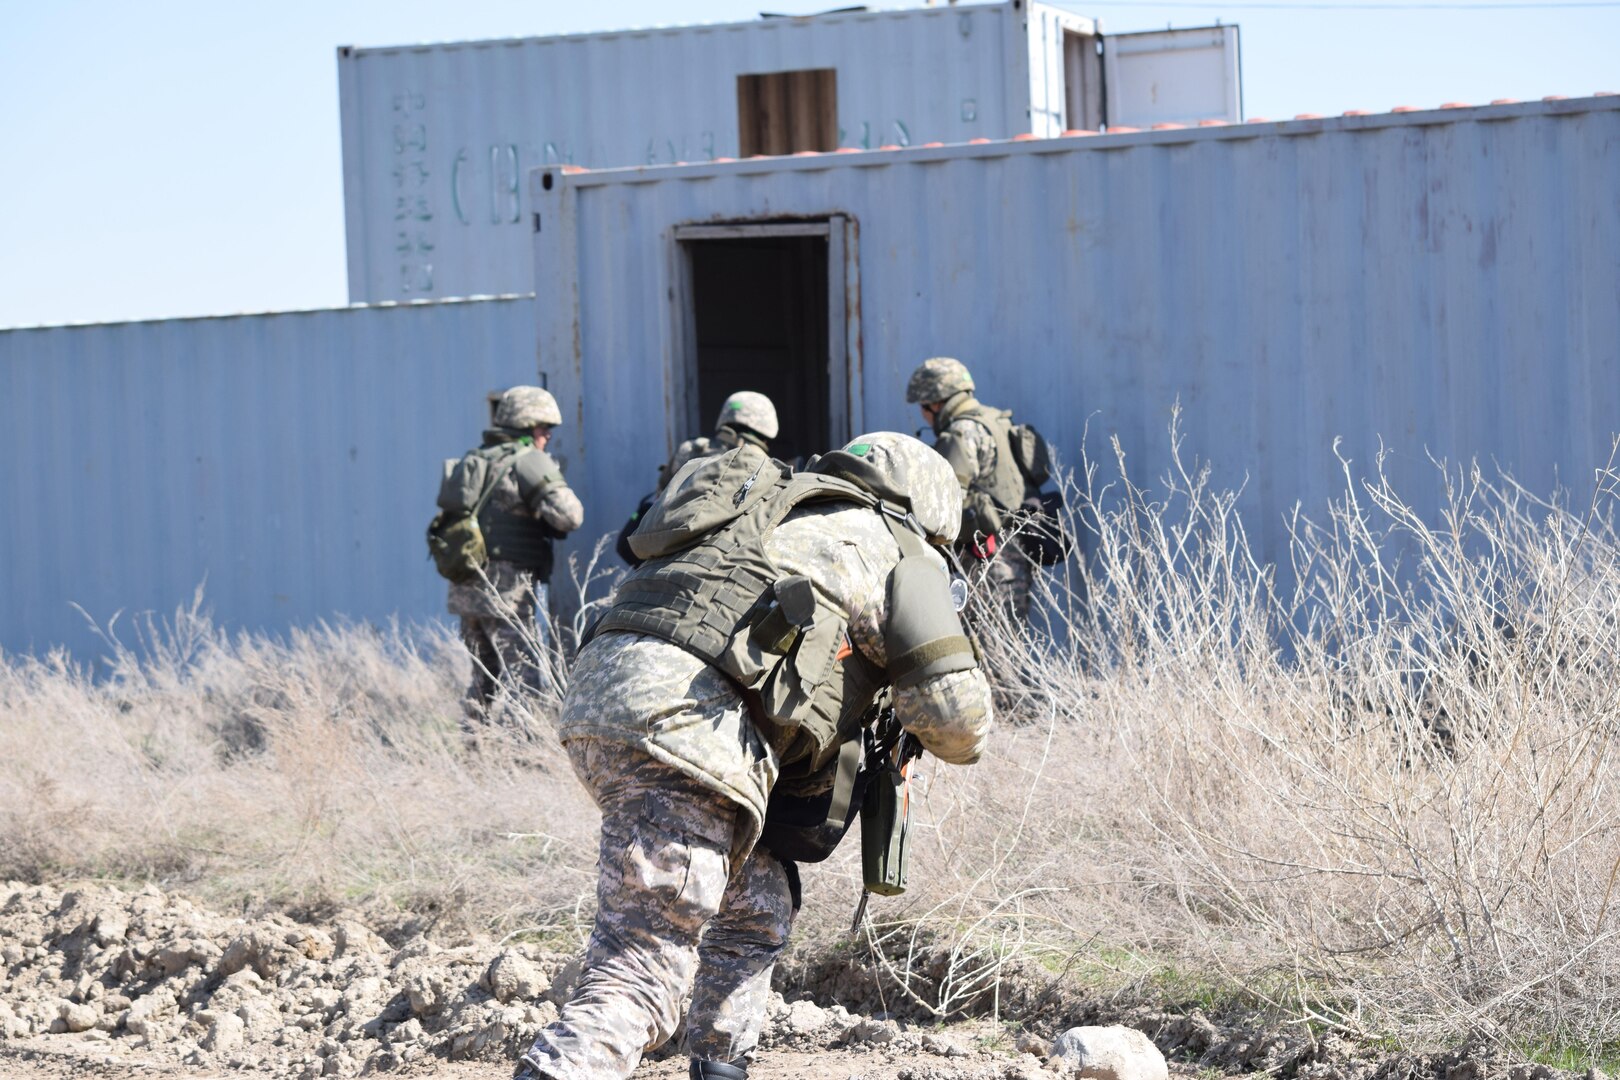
column 977, row 441
column 528, row 507
column 747, row 418
column 741, row 657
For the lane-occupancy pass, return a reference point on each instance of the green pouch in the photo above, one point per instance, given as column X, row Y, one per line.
column 456, row 546
column 885, row 825
column 455, row 541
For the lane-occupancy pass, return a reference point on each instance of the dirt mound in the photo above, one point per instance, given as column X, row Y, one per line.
column 151, row 977
column 99, row 981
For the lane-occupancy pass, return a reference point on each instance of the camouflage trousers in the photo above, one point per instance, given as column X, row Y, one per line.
column 498, row 652
column 674, row 915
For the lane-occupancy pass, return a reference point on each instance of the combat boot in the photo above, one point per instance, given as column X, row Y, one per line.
column 717, row 1070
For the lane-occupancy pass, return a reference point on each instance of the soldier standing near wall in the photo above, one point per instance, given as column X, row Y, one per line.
column 529, row 506
column 773, row 606
column 747, row 418
column 977, row 441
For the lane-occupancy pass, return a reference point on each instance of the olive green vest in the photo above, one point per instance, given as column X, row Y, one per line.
column 511, row 533
column 724, row 600
column 990, row 498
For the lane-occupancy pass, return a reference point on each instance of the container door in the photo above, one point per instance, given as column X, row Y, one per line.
column 764, row 307
column 1173, row 77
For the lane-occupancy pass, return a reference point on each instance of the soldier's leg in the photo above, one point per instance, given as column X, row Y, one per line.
column 739, row 949
column 664, row 866
column 516, row 640
column 486, row 668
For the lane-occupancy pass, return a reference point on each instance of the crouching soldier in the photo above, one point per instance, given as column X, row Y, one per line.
column 747, row 418
column 772, row 608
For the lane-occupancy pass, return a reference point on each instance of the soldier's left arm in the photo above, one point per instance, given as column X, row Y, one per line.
column 909, row 627
column 561, row 509
column 547, row 494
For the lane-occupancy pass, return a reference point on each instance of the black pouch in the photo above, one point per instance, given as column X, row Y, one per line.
column 809, row 828
column 1040, row 529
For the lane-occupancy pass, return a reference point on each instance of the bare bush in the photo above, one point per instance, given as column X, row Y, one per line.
column 1375, row 798
column 318, row 771
column 1372, row 794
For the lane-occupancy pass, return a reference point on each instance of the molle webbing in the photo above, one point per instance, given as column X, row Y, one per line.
column 902, row 667
column 1005, row 484
column 700, row 596
column 517, row 539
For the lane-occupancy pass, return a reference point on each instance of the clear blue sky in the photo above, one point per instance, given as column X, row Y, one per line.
column 181, row 157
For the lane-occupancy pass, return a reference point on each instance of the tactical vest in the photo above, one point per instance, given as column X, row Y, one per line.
column 724, row 600
column 1004, row 488
column 511, row 533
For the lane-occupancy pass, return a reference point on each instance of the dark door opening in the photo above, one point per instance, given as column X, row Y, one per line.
column 760, row 321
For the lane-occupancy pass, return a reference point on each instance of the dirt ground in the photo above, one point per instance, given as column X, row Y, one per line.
column 952, row 1052
column 97, row 982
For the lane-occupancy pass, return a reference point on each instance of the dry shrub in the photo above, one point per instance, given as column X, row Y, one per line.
column 1379, row 798
column 323, row 770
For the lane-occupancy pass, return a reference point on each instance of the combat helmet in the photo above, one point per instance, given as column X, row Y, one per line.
column 905, row 471
column 937, row 379
column 749, row 409
column 524, row 407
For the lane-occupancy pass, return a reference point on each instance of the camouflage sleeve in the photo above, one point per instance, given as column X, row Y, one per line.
column 970, row 448
column 951, row 715
column 848, row 553
column 561, row 508
column 546, row 494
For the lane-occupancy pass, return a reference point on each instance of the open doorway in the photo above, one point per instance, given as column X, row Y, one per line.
column 764, row 311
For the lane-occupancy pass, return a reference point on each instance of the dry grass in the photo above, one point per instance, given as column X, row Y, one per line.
column 325, row 770
column 1382, row 801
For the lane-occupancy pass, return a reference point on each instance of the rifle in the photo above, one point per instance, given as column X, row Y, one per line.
column 886, row 810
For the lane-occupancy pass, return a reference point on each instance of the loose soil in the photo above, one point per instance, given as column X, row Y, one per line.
column 98, row 982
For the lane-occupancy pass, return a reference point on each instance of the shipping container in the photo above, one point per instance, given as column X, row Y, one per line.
column 437, row 138
column 1441, row 283
column 287, row 463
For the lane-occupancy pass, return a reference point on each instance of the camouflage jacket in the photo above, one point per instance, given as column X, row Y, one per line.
column 665, row 701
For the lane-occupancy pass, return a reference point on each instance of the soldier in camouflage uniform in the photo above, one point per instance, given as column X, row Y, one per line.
column 681, row 744
column 747, row 418
column 976, row 440
column 531, row 506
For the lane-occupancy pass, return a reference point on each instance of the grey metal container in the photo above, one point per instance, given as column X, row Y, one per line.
column 285, row 462
column 437, row 138
column 1423, row 283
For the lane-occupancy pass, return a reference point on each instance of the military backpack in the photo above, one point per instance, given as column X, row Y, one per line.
column 1040, row 518
column 454, row 538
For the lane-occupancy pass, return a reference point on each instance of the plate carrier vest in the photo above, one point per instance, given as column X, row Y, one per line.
column 715, row 592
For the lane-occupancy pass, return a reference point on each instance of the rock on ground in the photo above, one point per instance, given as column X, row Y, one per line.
column 1109, row 1053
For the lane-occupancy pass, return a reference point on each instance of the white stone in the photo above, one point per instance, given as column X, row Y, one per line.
column 77, row 1018
column 1110, row 1053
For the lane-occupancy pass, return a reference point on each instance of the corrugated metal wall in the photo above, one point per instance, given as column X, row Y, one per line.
column 288, row 459
column 1442, row 283
column 436, row 139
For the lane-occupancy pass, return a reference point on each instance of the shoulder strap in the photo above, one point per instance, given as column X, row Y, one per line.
column 494, row 482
